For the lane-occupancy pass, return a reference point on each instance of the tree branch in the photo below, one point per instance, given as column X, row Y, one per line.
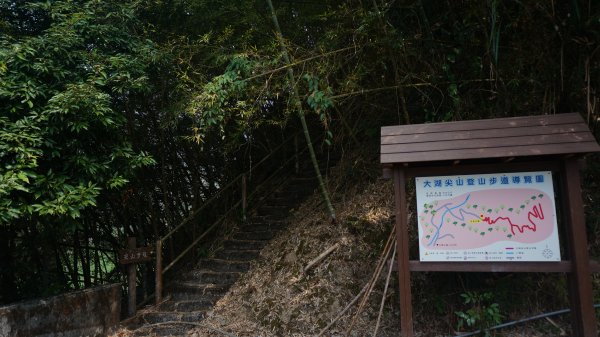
column 298, row 62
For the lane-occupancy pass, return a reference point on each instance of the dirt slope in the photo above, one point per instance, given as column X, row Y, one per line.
column 276, row 298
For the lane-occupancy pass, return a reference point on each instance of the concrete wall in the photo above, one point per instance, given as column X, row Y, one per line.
column 92, row 312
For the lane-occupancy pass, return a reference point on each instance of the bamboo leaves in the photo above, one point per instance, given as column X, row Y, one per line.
column 221, row 99
column 64, row 90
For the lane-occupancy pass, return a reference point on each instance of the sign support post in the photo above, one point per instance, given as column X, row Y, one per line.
column 131, row 257
column 406, row 319
column 517, row 145
column 580, row 282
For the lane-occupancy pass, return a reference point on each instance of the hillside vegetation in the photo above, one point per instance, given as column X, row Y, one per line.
column 122, row 118
column 276, row 297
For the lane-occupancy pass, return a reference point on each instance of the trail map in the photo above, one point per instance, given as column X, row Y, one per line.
column 487, row 217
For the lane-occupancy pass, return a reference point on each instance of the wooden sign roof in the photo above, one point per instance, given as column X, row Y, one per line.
column 491, row 138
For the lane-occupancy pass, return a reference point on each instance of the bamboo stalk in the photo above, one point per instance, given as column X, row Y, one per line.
column 394, row 60
column 411, row 85
column 299, row 62
column 300, row 111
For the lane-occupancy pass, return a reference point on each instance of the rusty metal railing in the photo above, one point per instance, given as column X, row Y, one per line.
column 240, row 181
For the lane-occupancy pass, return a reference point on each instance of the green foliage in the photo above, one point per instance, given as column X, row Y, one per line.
column 481, row 313
column 219, row 101
column 63, row 91
column 18, row 145
column 92, row 91
column 319, row 99
column 69, row 73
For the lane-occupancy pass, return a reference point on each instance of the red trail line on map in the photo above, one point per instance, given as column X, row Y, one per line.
column 537, row 213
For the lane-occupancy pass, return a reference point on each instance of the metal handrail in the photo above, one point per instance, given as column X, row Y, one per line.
column 160, row 271
column 224, row 188
column 276, row 172
column 208, row 230
column 220, row 192
column 201, row 208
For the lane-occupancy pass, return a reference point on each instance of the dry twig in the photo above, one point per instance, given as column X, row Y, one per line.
column 322, row 256
column 369, row 286
column 189, row 323
column 343, row 311
column 387, row 283
column 385, row 254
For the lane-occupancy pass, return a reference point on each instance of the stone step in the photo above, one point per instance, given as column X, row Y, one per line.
column 299, row 192
column 274, row 221
column 273, row 217
column 223, row 265
column 160, row 316
column 308, row 168
column 239, row 255
column 309, row 172
column 307, row 177
column 170, row 316
column 297, row 187
column 243, row 244
column 257, row 225
column 191, row 288
column 255, row 235
column 289, row 196
column 279, row 210
column 212, row 277
column 289, row 190
column 288, row 201
column 188, row 304
column 175, row 330
column 196, row 291
column 192, row 296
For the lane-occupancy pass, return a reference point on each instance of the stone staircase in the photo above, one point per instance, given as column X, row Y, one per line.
column 197, row 290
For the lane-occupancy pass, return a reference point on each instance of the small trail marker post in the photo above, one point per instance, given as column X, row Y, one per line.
column 131, row 257
column 468, row 175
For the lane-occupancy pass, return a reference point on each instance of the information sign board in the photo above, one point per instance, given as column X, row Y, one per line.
column 487, row 217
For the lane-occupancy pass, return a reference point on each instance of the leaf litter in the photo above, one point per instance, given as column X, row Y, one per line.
column 277, row 298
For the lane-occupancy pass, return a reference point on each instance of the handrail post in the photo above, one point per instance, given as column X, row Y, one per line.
column 297, row 160
column 131, row 281
column 244, row 200
column 159, row 272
